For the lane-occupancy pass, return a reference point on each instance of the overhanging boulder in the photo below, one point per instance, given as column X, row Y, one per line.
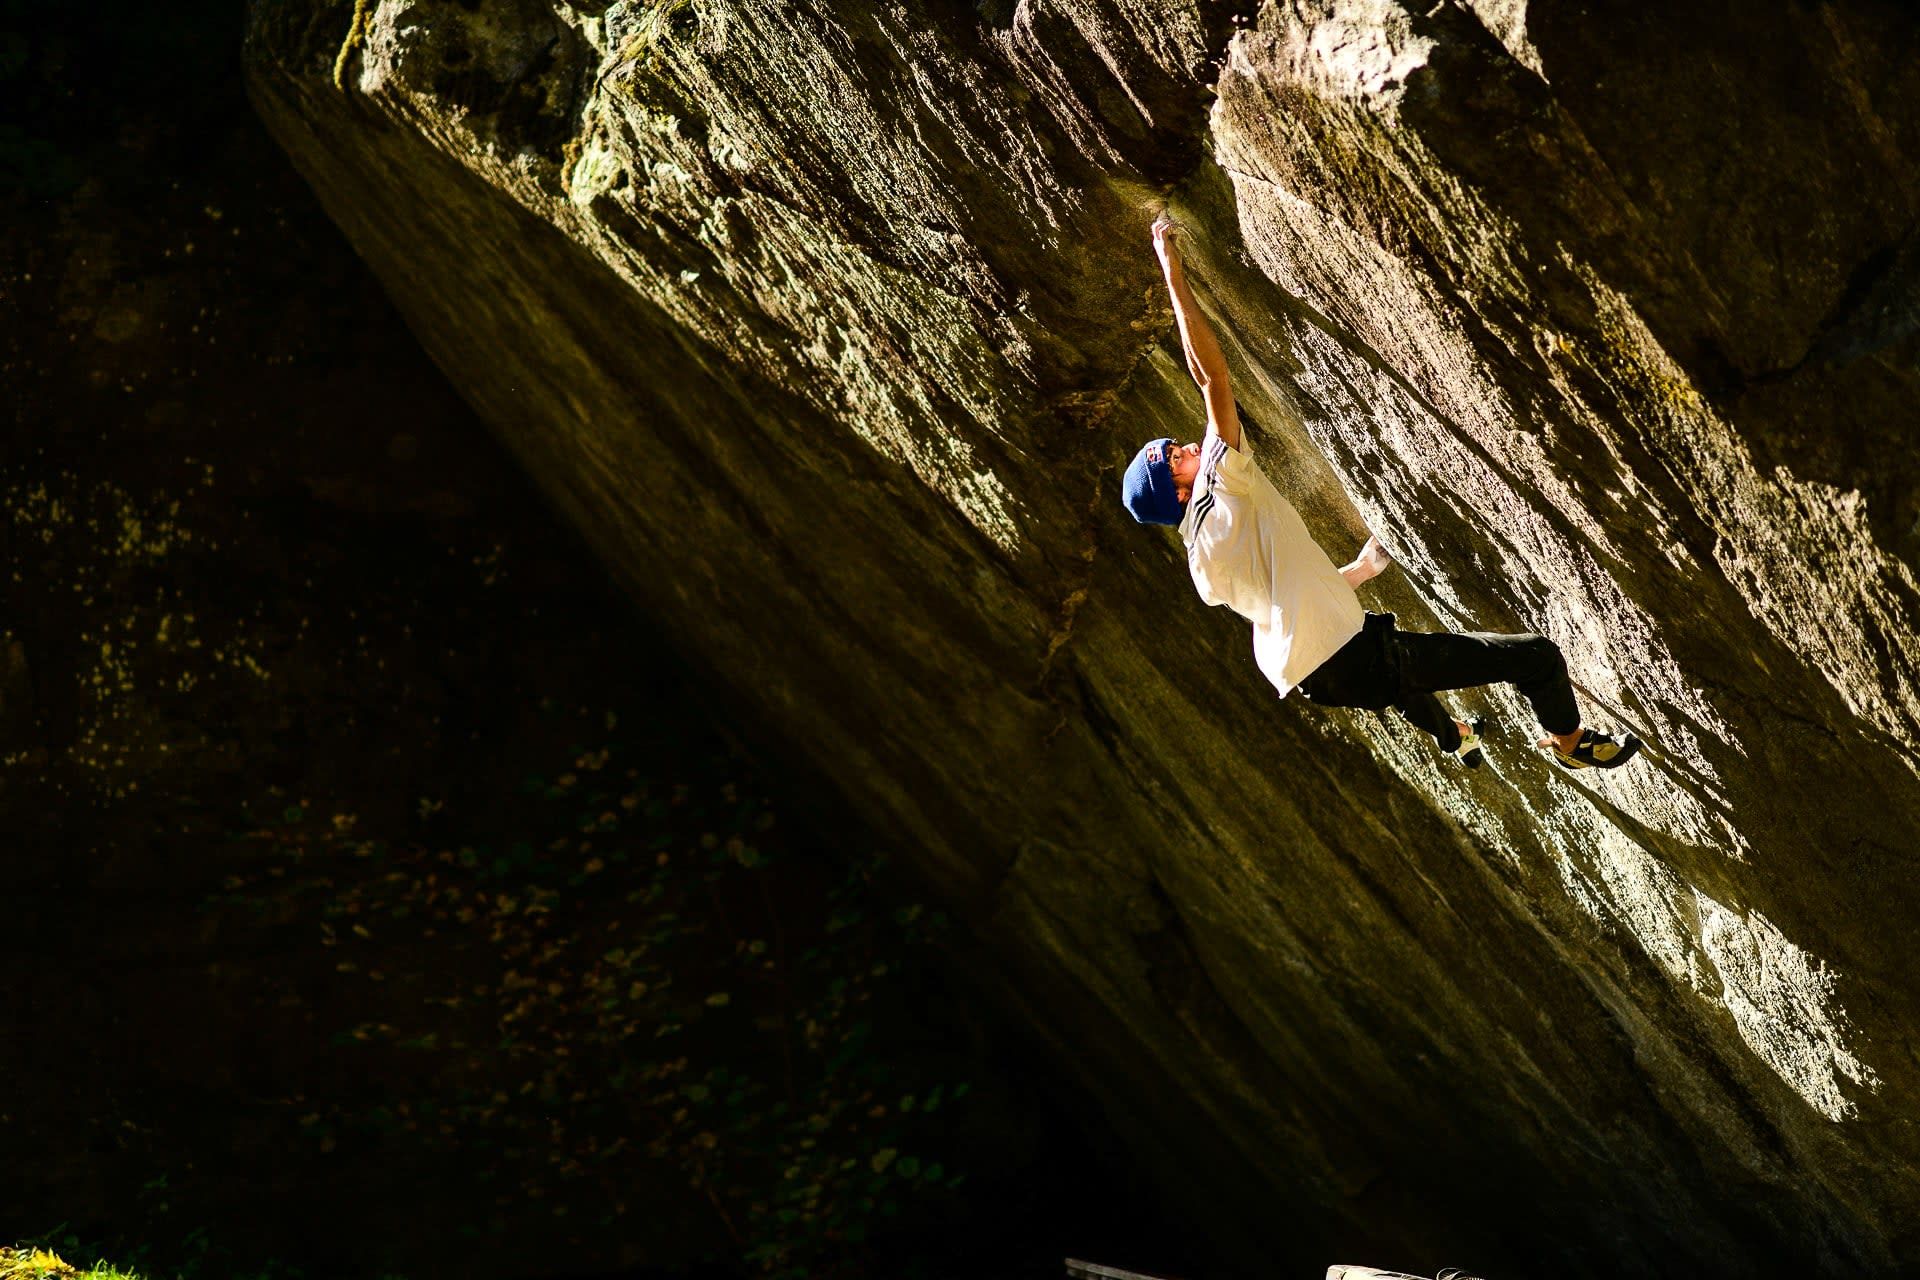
column 830, row 325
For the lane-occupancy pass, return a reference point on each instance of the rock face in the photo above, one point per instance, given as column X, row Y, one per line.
column 831, row 324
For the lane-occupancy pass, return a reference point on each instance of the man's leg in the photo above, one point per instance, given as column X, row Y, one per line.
column 1431, row 661
column 1423, row 711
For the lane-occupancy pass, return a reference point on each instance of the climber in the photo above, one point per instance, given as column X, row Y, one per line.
column 1248, row 550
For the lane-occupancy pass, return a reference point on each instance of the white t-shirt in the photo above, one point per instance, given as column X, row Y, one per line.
column 1249, row 550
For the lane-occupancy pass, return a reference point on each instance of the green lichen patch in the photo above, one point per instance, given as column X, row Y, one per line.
column 356, row 36
column 27, row 1262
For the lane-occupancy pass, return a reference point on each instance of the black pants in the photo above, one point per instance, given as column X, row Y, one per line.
column 1384, row 667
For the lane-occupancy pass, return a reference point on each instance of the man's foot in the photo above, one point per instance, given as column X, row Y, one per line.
column 1594, row 750
column 1469, row 749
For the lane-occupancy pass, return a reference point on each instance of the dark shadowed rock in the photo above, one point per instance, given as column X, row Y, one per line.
column 830, row 325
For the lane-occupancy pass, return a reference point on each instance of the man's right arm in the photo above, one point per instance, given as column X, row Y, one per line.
column 1205, row 361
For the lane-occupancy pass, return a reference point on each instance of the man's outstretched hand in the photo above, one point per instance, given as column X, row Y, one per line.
column 1166, row 242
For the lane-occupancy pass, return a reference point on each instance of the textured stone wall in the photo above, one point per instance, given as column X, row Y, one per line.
column 831, row 324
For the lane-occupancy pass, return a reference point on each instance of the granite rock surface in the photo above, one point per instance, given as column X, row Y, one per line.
column 831, row 325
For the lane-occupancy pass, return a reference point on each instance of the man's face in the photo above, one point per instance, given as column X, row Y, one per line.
column 1184, row 461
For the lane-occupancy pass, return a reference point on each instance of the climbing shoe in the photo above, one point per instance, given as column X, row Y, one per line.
column 1469, row 749
column 1597, row 750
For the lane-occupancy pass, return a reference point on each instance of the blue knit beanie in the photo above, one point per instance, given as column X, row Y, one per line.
column 1147, row 488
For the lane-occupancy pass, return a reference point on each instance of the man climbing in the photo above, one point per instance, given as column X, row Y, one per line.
column 1248, row 550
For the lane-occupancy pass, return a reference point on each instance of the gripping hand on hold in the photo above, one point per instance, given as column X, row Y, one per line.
column 1166, row 242
column 1372, row 561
